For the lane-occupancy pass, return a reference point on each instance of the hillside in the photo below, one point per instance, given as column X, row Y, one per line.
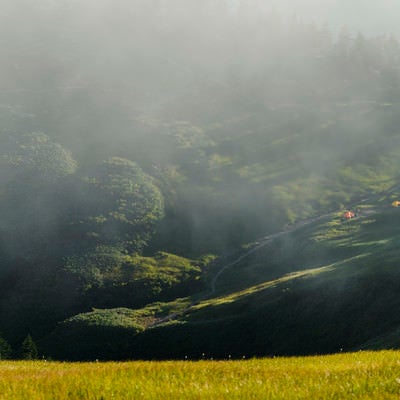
column 147, row 146
column 323, row 286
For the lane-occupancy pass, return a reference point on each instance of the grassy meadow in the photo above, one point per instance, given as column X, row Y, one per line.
column 362, row 375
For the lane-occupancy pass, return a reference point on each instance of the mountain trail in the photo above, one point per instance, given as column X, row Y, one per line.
column 263, row 241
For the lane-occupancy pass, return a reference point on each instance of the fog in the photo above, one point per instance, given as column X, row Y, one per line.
column 140, row 139
column 204, row 96
column 368, row 16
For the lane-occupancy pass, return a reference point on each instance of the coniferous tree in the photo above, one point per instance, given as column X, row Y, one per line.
column 5, row 349
column 28, row 349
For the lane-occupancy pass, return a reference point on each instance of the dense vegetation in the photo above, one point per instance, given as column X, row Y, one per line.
column 140, row 152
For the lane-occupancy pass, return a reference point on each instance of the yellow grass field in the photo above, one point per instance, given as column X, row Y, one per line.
column 363, row 375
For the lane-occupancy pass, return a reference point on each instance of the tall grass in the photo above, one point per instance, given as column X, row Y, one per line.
column 363, row 375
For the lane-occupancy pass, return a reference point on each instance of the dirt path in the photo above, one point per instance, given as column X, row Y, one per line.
column 262, row 242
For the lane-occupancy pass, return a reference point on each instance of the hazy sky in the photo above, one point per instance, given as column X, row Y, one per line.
column 369, row 16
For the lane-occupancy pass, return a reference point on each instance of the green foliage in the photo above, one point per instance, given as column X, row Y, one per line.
column 33, row 156
column 28, row 350
column 33, row 172
column 121, row 317
column 99, row 264
column 109, row 277
column 100, row 334
column 120, row 204
column 5, row 349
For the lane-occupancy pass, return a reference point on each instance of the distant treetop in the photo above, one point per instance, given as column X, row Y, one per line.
column 34, row 154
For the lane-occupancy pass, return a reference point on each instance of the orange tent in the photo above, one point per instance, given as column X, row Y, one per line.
column 349, row 215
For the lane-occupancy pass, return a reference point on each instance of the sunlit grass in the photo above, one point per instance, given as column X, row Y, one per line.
column 362, row 375
column 262, row 286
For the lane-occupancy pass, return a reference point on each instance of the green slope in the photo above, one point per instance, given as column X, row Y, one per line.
column 252, row 175
column 322, row 286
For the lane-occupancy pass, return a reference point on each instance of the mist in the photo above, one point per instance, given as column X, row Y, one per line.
column 183, row 88
column 214, row 100
column 137, row 133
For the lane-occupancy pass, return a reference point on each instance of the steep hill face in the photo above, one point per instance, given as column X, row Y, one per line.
column 322, row 286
